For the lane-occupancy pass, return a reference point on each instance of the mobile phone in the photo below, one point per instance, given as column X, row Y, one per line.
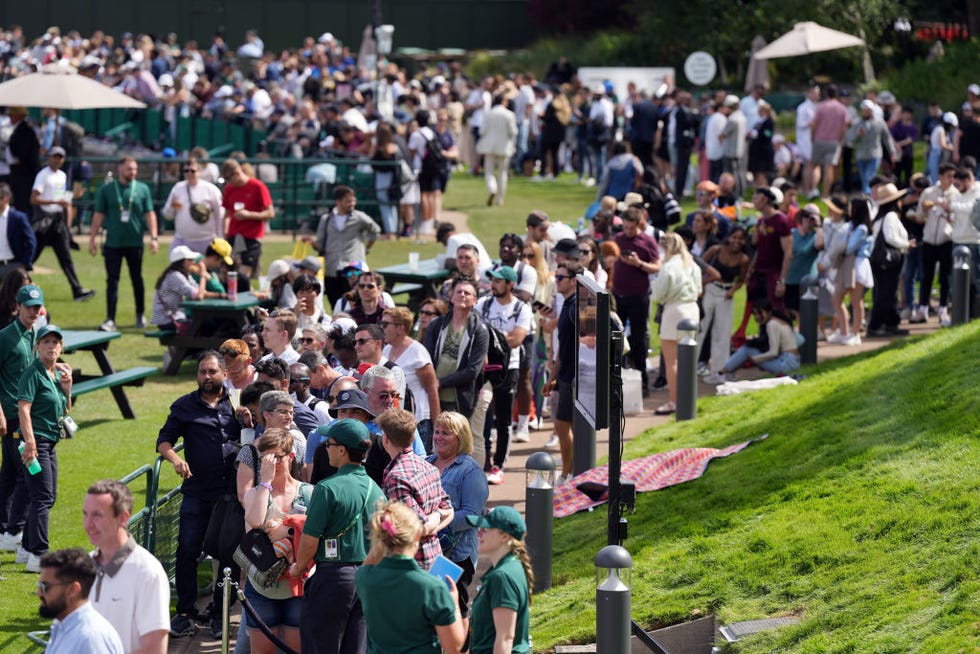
column 539, row 305
column 626, row 253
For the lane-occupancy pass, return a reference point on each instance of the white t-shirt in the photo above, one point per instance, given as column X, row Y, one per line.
column 289, row 355
column 413, row 358
column 713, row 147
column 804, row 117
column 136, row 599
column 506, row 317
column 466, row 238
column 184, row 225
column 50, row 184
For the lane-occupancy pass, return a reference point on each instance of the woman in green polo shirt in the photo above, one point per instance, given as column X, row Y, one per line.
column 406, row 609
column 43, row 400
column 501, row 611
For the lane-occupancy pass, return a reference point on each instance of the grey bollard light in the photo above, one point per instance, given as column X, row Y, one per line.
column 687, row 370
column 539, row 513
column 225, row 606
column 613, row 599
column 809, row 317
column 962, row 272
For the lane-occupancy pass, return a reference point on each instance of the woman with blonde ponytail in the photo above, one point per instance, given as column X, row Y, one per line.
column 406, row 609
column 501, row 611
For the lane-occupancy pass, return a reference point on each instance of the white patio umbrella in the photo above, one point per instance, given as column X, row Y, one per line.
column 758, row 72
column 59, row 86
column 805, row 38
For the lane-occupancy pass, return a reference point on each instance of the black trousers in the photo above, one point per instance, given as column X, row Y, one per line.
column 931, row 255
column 884, row 312
column 42, row 490
column 680, row 171
column 636, row 310
column 503, row 410
column 13, row 485
column 51, row 229
column 332, row 620
column 113, row 267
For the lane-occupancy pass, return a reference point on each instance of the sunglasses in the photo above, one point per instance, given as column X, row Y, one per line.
column 585, row 251
column 527, row 255
column 366, row 285
column 45, row 586
column 385, row 395
column 385, row 323
column 426, row 312
column 559, row 277
column 225, row 352
column 297, row 380
column 283, row 412
column 188, row 171
column 333, row 444
column 305, row 340
column 362, row 341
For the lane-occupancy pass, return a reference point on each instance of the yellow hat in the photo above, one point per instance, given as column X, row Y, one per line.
column 223, row 249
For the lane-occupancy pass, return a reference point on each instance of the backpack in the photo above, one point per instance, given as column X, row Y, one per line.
column 498, row 349
column 434, row 162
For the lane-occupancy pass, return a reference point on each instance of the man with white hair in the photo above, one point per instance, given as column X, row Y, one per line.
column 804, row 140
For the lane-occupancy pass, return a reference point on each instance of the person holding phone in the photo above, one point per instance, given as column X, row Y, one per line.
column 406, row 609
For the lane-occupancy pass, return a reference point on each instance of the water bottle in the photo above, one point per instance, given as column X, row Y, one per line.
column 581, row 225
column 33, row 467
column 232, row 285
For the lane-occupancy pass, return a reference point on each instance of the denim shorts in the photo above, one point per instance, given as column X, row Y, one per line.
column 274, row 612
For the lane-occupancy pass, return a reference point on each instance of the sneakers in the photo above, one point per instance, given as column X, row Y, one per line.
column 703, row 369
column 10, row 542
column 496, row 476
column 836, row 338
column 659, row 383
column 919, row 316
column 216, row 627
column 717, row 378
column 108, row 326
column 553, row 441
column 851, row 340
column 182, row 626
column 944, row 320
column 21, row 556
column 906, row 313
column 84, row 294
column 521, row 435
column 33, row 563
column 141, row 321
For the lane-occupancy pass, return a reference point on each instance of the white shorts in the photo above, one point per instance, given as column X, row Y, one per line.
column 673, row 314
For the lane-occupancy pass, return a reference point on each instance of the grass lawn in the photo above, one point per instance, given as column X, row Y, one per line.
column 858, row 514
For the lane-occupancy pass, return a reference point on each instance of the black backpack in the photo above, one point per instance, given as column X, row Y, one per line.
column 498, row 349
column 434, row 162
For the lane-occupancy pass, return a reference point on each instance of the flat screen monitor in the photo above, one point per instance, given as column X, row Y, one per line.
column 592, row 364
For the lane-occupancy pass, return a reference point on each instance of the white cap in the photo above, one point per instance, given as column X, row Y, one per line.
column 950, row 119
column 973, row 89
column 731, row 100
column 277, row 269
column 326, row 37
column 868, row 104
column 182, row 252
column 166, row 80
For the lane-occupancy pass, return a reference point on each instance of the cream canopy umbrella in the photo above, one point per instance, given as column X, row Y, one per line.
column 58, row 86
column 758, row 72
column 805, row 38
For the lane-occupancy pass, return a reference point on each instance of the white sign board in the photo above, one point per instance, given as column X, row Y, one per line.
column 700, row 68
column 646, row 79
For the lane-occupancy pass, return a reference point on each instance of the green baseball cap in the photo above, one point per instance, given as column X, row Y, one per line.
column 30, row 296
column 504, row 272
column 50, row 329
column 349, row 433
column 503, row 518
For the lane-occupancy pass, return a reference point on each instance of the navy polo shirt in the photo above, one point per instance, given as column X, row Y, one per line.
column 211, row 437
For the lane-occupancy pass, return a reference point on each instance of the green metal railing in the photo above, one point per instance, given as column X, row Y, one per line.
column 301, row 189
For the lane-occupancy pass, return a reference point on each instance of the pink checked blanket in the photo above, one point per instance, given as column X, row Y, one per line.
column 649, row 473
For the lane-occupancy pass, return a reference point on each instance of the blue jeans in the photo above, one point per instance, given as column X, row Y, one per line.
column 911, row 273
column 195, row 514
column 785, row 362
column 389, row 210
column 866, row 170
column 932, row 164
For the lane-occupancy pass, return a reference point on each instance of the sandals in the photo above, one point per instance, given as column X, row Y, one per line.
column 665, row 409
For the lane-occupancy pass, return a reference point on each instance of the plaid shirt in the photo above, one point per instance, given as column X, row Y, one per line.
column 411, row 479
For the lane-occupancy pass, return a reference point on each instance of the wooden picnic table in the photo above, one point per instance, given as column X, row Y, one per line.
column 211, row 322
column 423, row 282
column 97, row 342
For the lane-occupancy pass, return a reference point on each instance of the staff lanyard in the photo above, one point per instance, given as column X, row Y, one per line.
column 132, row 191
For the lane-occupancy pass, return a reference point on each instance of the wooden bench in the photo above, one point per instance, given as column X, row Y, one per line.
column 113, row 381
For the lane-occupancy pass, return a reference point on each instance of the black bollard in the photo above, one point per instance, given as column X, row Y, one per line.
column 962, row 272
column 809, row 305
column 539, row 512
column 687, row 370
column 613, row 599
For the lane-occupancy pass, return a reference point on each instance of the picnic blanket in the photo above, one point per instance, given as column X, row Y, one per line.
column 648, row 473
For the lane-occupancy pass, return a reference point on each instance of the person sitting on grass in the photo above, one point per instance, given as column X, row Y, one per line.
column 775, row 350
column 174, row 286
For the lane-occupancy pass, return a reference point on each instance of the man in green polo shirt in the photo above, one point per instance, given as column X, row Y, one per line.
column 124, row 207
column 16, row 353
column 336, row 537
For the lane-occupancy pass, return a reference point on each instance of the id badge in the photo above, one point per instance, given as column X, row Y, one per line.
column 124, row 217
column 330, row 549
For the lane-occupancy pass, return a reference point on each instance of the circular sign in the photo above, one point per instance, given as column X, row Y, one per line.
column 700, row 68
